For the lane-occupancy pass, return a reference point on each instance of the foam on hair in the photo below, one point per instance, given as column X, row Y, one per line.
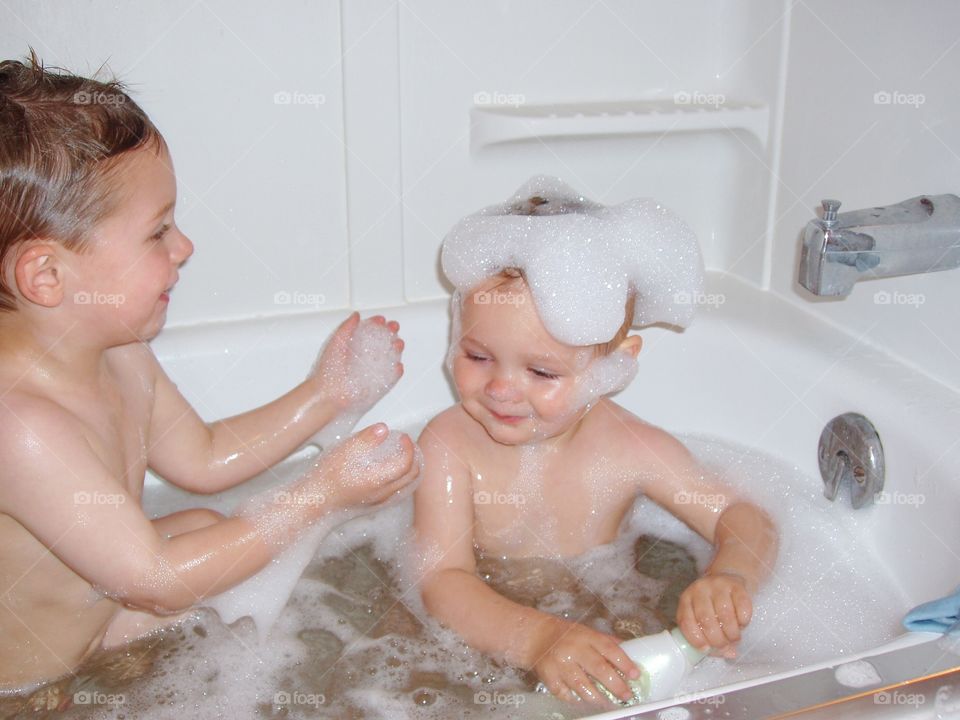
column 581, row 259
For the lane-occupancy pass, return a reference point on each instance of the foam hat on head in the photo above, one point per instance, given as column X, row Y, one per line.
column 581, row 259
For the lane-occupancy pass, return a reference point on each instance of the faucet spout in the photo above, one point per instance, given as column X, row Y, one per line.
column 918, row 235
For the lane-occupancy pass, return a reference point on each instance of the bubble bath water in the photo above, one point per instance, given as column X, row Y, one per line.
column 353, row 641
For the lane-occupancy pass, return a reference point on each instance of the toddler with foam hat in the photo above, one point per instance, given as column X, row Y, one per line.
column 90, row 253
column 536, row 461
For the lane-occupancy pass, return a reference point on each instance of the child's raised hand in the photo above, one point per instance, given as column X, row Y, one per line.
column 359, row 363
column 713, row 610
column 365, row 469
column 567, row 653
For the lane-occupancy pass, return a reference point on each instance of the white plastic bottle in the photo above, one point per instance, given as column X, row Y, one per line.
column 664, row 660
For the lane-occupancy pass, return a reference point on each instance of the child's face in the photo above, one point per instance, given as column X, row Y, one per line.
column 123, row 282
column 513, row 377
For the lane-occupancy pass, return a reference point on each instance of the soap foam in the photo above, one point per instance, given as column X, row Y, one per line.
column 801, row 615
column 365, row 375
column 581, row 259
column 264, row 595
column 604, row 376
column 857, row 674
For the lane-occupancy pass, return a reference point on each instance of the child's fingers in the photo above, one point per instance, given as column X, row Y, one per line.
column 707, row 618
column 398, row 345
column 687, row 620
column 576, row 679
column 374, row 434
column 615, row 655
column 727, row 618
column 743, row 605
column 394, row 326
column 604, row 672
column 559, row 690
column 729, row 652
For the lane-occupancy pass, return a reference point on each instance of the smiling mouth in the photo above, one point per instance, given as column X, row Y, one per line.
column 507, row 419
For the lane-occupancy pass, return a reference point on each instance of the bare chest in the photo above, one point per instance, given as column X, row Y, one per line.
column 117, row 429
column 547, row 504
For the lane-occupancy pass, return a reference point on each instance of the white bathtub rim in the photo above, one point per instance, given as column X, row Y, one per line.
column 904, row 640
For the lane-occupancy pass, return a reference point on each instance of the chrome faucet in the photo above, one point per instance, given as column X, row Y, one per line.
column 851, row 453
column 918, row 235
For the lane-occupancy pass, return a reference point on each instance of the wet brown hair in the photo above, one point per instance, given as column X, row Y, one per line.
column 61, row 140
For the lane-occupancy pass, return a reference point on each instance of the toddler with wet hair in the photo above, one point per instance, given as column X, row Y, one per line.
column 536, row 461
column 90, row 253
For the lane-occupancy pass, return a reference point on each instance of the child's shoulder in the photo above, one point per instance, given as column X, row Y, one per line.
column 457, row 436
column 634, row 437
column 451, row 424
column 36, row 436
column 35, row 413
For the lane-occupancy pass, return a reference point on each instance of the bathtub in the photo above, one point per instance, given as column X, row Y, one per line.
column 752, row 368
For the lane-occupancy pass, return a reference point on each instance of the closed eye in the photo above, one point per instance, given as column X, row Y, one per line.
column 544, row 374
column 158, row 235
column 474, row 357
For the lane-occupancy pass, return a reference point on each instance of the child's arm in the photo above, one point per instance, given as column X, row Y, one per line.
column 56, row 486
column 209, row 457
column 713, row 609
column 562, row 653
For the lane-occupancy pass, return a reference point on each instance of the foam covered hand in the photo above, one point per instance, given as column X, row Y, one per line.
column 713, row 610
column 367, row 468
column 356, row 367
column 567, row 655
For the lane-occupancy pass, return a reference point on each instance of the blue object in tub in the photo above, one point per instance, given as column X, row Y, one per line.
column 941, row 615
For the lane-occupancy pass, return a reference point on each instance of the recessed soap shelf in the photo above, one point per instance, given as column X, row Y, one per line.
column 494, row 124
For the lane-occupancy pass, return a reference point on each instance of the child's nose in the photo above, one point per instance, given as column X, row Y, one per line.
column 182, row 249
column 502, row 389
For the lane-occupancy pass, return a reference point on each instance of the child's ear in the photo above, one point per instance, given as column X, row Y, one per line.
column 631, row 344
column 39, row 274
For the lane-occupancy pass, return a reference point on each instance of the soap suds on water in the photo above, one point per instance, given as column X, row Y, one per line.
column 857, row 674
column 263, row 596
column 581, row 259
column 344, row 640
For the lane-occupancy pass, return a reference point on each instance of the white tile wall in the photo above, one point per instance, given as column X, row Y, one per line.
column 340, row 197
column 841, row 142
column 547, row 52
column 262, row 184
